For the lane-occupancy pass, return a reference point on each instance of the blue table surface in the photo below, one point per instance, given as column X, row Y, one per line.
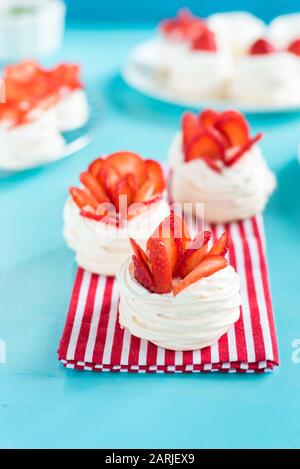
column 44, row 405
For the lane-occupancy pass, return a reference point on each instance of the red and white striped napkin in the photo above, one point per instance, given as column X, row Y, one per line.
column 93, row 340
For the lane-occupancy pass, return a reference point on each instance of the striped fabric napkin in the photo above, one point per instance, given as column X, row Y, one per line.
column 93, row 340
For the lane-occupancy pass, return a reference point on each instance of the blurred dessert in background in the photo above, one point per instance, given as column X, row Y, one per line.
column 236, row 30
column 284, row 30
column 266, row 76
column 39, row 105
column 30, row 28
column 217, row 163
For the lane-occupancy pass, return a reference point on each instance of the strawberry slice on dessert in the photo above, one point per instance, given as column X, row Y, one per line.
column 127, row 162
column 206, row 143
column 94, row 187
column 234, row 127
column 262, row 46
column 206, row 41
column 294, row 47
column 160, row 256
column 83, row 198
column 221, row 246
column 236, row 156
column 146, row 191
column 143, row 275
column 190, row 128
column 96, row 166
column 195, row 252
column 155, row 173
column 209, row 117
column 207, row 267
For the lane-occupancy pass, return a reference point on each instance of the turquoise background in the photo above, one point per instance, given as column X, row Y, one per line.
column 44, row 405
column 152, row 10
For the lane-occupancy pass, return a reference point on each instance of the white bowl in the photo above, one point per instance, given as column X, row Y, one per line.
column 30, row 28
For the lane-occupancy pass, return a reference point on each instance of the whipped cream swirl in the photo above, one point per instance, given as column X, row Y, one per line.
column 72, row 111
column 101, row 248
column 239, row 192
column 195, row 318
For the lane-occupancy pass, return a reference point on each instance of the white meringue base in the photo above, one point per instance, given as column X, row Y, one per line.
column 284, row 29
column 72, row 111
column 269, row 79
column 200, row 74
column 101, row 248
column 239, row 192
column 31, row 144
column 196, row 318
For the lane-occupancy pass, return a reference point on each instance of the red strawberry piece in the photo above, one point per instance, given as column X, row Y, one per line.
column 10, row 114
column 208, row 266
column 137, row 208
column 126, row 162
column 95, row 167
column 221, row 246
column 207, row 143
column 83, row 198
column 123, row 194
column 160, row 265
column 145, row 192
column 241, row 151
column 294, row 47
column 156, row 174
column 261, row 46
column 23, row 72
column 142, row 274
column 206, row 41
column 131, row 179
column 94, row 216
column 209, row 117
column 138, row 251
column 109, row 178
column 193, row 255
column 94, row 187
column 190, row 128
column 234, row 127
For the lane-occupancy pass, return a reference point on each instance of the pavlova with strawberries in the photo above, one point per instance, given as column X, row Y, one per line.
column 122, row 196
column 39, row 105
column 216, row 162
column 231, row 55
column 180, row 293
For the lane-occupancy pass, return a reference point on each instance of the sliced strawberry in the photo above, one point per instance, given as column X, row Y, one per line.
column 109, row 177
column 138, row 251
column 131, row 179
column 94, row 187
column 261, row 46
column 23, row 72
column 95, row 167
column 209, row 117
column 241, row 151
column 156, row 174
column 145, row 192
column 221, row 246
column 10, row 114
column 234, row 127
column 294, row 47
column 208, row 266
column 205, row 41
column 160, row 265
column 83, row 198
column 193, row 255
column 94, row 216
column 138, row 208
column 190, row 128
column 123, row 194
column 142, row 274
column 126, row 162
column 207, row 143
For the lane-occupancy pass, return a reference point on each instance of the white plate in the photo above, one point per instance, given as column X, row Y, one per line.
column 76, row 140
column 141, row 71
